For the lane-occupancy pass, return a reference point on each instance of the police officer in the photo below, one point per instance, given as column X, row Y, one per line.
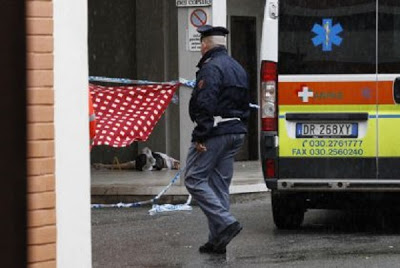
column 219, row 107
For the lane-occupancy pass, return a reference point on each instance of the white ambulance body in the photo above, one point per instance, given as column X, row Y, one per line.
column 329, row 97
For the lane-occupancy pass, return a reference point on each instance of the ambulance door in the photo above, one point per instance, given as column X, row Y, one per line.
column 389, row 89
column 327, row 93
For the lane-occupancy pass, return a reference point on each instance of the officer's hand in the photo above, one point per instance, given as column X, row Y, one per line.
column 200, row 147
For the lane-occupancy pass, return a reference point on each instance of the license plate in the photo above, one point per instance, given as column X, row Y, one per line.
column 326, row 130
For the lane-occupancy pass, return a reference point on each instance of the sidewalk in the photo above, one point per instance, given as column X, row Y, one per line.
column 113, row 186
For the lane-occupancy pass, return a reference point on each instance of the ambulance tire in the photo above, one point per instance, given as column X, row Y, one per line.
column 287, row 210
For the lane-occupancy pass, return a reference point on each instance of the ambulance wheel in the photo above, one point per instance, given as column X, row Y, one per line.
column 287, row 210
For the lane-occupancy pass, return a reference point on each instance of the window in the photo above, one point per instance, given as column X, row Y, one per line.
column 389, row 36
column 351, row 50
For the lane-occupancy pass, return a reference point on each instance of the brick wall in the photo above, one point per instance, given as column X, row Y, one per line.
column 40, row 156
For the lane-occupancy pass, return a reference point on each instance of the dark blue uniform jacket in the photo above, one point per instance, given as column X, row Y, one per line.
column 221, row 90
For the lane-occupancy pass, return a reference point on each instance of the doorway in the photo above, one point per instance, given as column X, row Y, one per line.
column 244, row 50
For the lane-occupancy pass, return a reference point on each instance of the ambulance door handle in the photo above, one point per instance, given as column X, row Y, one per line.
column 396, row 90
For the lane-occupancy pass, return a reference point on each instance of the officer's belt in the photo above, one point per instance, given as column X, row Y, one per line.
column 219, row 119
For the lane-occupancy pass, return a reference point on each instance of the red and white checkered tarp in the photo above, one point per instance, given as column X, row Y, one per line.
column 128, row 113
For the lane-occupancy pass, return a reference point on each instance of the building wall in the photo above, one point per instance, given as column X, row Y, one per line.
column 71, row 117
column 112, row 38
column 40, row 128
column 58, row 174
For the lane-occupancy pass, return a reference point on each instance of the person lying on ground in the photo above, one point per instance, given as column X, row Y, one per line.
column 145, row 161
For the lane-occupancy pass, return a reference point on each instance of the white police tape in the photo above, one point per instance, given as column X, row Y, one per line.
column 156, row 208
column 114, row 80
column 122, row 205
column 188, row 83
column 169, row 207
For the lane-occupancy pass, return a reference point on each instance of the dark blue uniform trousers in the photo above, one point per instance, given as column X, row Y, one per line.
column 208, row 176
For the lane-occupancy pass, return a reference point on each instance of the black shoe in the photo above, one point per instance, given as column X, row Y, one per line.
column 227, row 235
column 209, row 248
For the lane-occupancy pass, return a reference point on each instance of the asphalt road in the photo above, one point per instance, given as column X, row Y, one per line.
column 132, row 238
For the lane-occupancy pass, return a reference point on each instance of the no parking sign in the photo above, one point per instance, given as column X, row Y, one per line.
column 196, row 17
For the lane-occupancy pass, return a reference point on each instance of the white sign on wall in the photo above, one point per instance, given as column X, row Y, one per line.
column 197, row 17
column 193, row 3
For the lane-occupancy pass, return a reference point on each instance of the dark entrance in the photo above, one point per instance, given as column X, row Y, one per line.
column 244, row 50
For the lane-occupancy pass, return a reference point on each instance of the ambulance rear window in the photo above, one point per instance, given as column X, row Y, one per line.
column 327, row 37
column 389, row 36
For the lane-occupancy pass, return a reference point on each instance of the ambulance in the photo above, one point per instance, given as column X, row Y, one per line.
column 330, row 106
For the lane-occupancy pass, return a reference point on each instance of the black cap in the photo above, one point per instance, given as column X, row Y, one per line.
column 208, row 30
